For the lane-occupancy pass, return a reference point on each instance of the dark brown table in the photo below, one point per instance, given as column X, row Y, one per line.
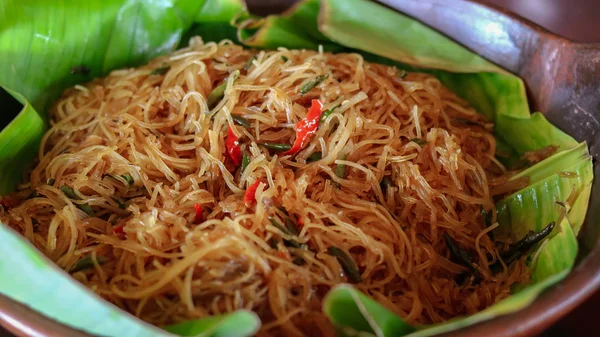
column 578, row 20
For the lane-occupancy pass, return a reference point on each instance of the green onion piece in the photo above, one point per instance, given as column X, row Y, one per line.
column 279, row 226
column 314, row 157
column 239, row 120
column 160, row 71
column 276, row 146
column 347, row 264
column 128, row 178
column 87, row 209
column 51, row 181
column 310, row 85
column 291, row 226
column 69, row 193
column 326, row 114
column 218, row 92
column 419, row 141
column 402, row 73
column 86, row 263
column 245, row 161
column 249, row 63
column 286, row 231
column 284, row 59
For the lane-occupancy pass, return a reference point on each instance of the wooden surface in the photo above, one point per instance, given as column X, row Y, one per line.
column 578, row 20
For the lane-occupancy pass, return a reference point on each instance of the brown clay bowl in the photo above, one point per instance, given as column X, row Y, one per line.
column 562, row 79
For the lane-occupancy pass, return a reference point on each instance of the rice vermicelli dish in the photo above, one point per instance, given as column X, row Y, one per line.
column 218, row 178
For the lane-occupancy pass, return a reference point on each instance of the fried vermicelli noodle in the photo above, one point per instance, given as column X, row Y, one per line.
column 403, row 164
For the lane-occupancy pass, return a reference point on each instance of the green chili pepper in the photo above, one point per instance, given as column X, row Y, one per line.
column 314, row 157
column 347, row 264
column 86, row 263
column 276, row 146
column 218, row 92
column 239, row 120
column 310, row 85
column 160, row 71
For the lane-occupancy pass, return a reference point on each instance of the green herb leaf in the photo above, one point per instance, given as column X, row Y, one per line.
column 347, row 264
column 284, row 59
column 310, row 85
column 86, row 263
column 463, row 257
column 69, row 193
column 276, row 146
column 522, row 246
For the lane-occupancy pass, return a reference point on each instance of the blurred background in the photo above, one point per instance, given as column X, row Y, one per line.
column 577, row 20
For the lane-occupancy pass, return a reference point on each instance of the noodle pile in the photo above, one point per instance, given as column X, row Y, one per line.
column 141, row 148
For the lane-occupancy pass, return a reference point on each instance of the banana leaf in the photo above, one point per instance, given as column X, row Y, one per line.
column 49, row 46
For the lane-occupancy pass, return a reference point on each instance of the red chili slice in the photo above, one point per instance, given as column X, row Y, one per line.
column 198, row 218
column 250, row 195
column 233, row 146
column 306, row 127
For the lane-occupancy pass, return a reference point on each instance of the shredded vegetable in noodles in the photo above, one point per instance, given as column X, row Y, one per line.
column 218, row 178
